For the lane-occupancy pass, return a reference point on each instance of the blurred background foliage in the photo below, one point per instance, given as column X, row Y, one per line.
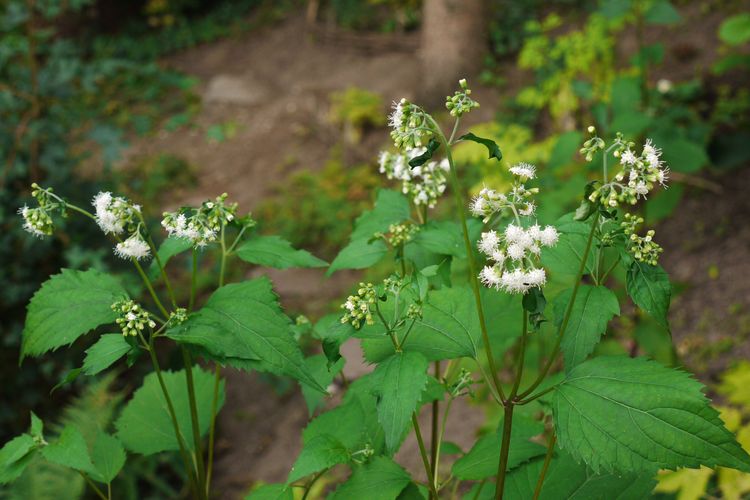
column 81, row 79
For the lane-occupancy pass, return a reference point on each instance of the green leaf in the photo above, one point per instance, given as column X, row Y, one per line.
column 482, row 460
column 276, row 252
column 683, row 155
column 359, row 254
column 563, row 259
column 332, row 333
column 321, row 452
column 244, row 322
column 391, row 207
column 650, row 289
column 271, row 492
column 442, row 238
column 594, row 307
column 168, row 249
column 492, row 148
column 565, row 150
column 324, row 374
column 37, row 427
column 662, row 12
column 108, row 456
column 735, row 30
column 401, row 380
column 432, row 146
column 109, row 348
column 574, row 481
column 621, row 414
column 70, row 450
column 630, row 121
column 145, row 425
column 626, row 91
column 15, row 456
column 379, row 479
column 67, row 306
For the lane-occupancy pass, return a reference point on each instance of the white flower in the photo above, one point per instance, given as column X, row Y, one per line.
column 516, row 251
column 549, row 236
column 498, row 256
column 628, row 157
column 490, row 277
column 489, row 242
column 536, row 277
column 649, row 149
column 134, row 247
column 514, row 233
column 528, row 209
column 663, row 86
column 662, row 176
column 102, row 200
column 36, row 221
column 641, row 189
column 514, row 281
column 524, row 170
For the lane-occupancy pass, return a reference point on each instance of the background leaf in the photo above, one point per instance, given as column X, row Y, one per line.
column 650, row 289
column 276, row 252
column 379, row 479
column 109, row 348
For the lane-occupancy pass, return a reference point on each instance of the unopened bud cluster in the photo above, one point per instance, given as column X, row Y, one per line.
column 358, row 308
column 462, row 385
column 460, row 103
column 642, row 248
column 399, row 234
column 132, row 318
column 37, row 220
column 424, row 184
column 200, row 225
column 410, row 127
column 414, row 311
column 178, row 316
column 517, row 201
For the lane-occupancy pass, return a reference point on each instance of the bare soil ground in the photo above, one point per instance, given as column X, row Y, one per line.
column 274, row 84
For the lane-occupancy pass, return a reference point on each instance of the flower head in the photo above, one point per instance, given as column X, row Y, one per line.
column 424, row 184
column 357, row 308
column 132, row 318
column 133, row 248
column 525, row 171
column 460, row 103
column 115, row 213
column 36, row 221
column 410, row 127
column 200, row 225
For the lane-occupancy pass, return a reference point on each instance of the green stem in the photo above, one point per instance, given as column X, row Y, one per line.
column 423, row 453
column 199, row 467
column 547, row 460
column 435, row 430
column 502, row 466
column 456, row 187
column 170, row 408
column 309, row 485
column 150, row 288
column 521, row 356
column 212, row 427
column 223, row 265
column 93, row 486
column 568, row 310
column 440, row 440
column 162, row 269
column 193, row 280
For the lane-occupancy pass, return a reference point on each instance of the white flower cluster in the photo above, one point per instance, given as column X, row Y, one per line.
column 636, row 179
column 115, row 215
column 358, row 307
column 424, row 184
column 409, row 124
column 515, row 256
column 200, row 225
column 518, row 201
column 36, row 221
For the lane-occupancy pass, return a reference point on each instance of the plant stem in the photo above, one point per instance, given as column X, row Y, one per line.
column 456, row 187
column 547, row 460
column 223, row 265
column 521, row 355
column 435, row 430
column 423, row 453
column 150, row 288
column 199, row 467
column 309, row 485
column 162, row 270
column 502, row 467
column 212, row 427
column 568, row 310
column 440, row 439
column 193, row 280
column 173, row 416
column 93, row 486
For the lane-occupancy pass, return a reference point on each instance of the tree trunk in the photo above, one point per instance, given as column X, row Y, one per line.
column 454, row 43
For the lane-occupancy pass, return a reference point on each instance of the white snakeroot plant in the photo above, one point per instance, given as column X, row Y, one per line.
column 422, row 324
column 224, row 332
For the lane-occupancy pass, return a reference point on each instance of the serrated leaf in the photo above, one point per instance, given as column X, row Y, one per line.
column 492, row 148
column 565, row 257
column 15, row 455
column 168, row 249
column 594, row 307
column 70, row 450
column 482, row 460
column 109, row 348
column 391, row 207
column 650, row 289
column 67, row 306
column 276, row 252
column 359, row 254
column 36, row 430
column 244, row 322
column 324, row 374
column 442, row 238
column 379, row 479
column 271, row 492
column 145, row 425
column 332, row 333
column 108, row 457
column 320, row 453
column 621, row 414
column 401, row 380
